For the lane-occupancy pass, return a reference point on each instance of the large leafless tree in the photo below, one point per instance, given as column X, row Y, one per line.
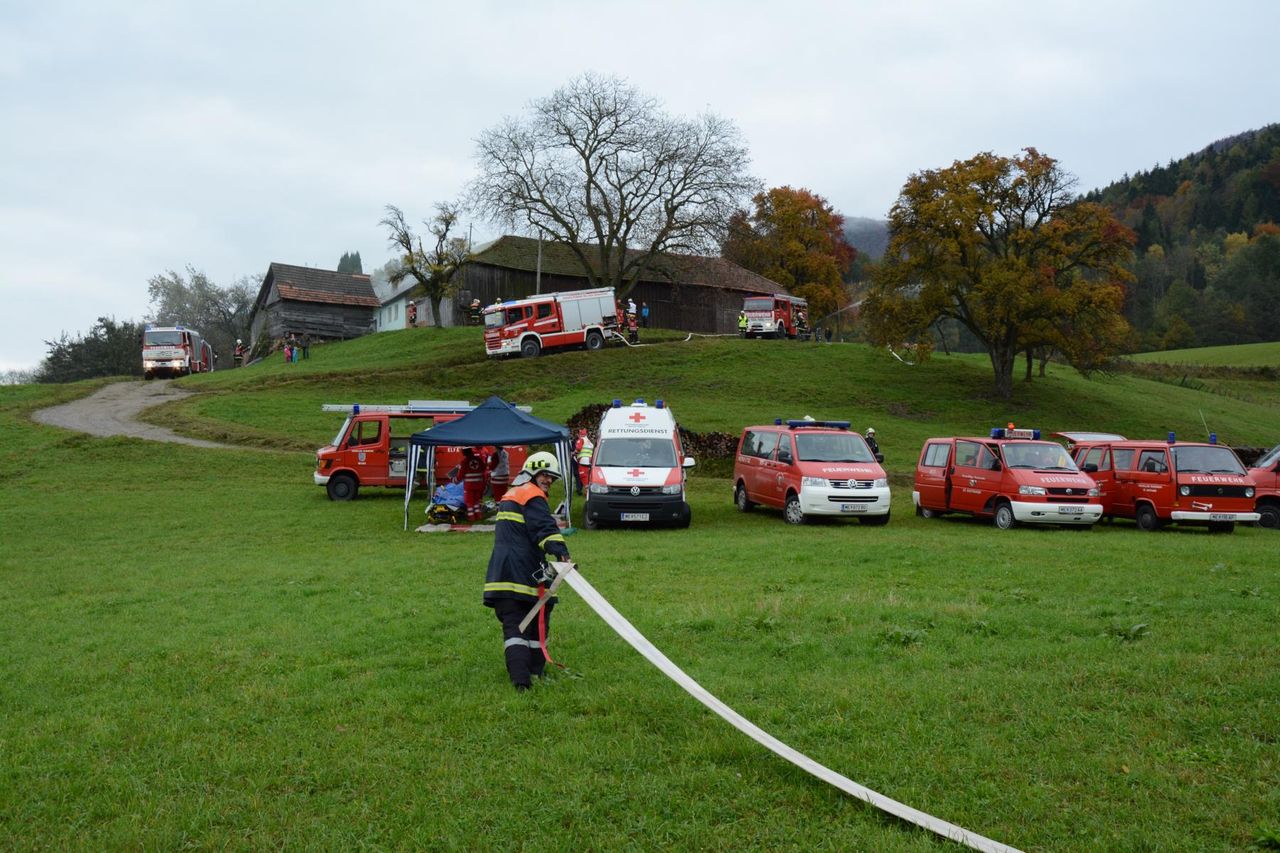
column 432, row 268
column 601, row 168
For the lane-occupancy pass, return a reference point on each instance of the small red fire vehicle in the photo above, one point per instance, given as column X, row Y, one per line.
column 550, row 321
column 372, row 447
column 174, row 351
column 1160, row 482
column 776, row 316
column 1011, row 477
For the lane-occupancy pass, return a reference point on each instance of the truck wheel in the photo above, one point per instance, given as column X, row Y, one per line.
column 1269, row 516
column 588, row 523
column 1222, row 526
column 1147, row 518
column 595, row 341
column 686, row 518
column 342, row 487
column 874, row 520
column 741, row 500
column 530, row 348
column 791, row 510
column 1004, row 519
column 782, row 331
column 925, row 512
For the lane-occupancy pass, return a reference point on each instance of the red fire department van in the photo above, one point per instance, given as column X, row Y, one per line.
column 809, row 468
column 550, row 321
column 1011, row 477
column 174, row 351
column 1160, row 482
column 776, row 316
column 1266, row 479
column 372, row 447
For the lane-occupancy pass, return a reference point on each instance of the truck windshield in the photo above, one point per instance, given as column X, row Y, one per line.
column 493, row 319
column 636, row 453
column 162, row 339
column 833, row 447
column 757, row 305
column 1207, row 460
column 1040, row 455
column 342, row 430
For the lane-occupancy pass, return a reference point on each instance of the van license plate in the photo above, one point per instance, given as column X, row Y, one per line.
column 1071, row 510
column 1222, row 516
column 853, row 507
column 634, row 516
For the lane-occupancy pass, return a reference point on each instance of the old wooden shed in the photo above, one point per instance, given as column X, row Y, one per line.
column 321, row 304
column 688, row 292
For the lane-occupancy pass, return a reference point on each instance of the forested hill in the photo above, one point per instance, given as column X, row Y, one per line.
column 1208, row 252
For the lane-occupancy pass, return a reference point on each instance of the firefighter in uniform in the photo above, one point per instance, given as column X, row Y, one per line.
column 524, row 535
column 473, row 473
column 583, row 450
column 742, row 323
column 871, row 440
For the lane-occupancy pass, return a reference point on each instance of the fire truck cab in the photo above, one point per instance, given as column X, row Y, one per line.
column 638, row 470
column 550, row 321
column 1011, row 477
column 372, row 447
column 776, row 316
column 1266, row 479
column 808, row 468
column 1161, row 482
column 174, row 351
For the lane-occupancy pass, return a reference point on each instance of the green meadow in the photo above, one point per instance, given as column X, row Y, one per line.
column 202, row 651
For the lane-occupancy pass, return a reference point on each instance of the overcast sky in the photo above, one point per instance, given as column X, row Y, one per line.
column 139, row 137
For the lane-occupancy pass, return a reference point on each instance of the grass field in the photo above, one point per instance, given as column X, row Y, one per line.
column 202, row 651
column 1242, row 355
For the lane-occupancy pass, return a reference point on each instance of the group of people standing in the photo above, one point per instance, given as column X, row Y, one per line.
column 485, row 469
column 296, row 347
column 632, row 318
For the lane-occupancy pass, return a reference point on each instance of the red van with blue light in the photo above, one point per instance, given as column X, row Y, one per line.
column 1011, row 476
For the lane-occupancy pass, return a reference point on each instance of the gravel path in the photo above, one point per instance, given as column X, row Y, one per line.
column 113, row 409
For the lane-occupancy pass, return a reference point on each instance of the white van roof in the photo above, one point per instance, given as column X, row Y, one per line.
column 637, row 419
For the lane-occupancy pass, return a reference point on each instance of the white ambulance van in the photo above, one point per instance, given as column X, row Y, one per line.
column 638, row 470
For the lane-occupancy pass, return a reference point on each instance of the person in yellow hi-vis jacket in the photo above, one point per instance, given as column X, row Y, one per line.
column 524, row 535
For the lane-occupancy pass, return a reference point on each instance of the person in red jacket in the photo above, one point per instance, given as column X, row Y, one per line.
column 473, row 477
column 499, row 472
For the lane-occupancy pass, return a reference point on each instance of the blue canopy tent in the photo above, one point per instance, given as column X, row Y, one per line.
column 494, row 422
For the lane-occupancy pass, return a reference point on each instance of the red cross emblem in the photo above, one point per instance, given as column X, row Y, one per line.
column 634, row 472
column 635, row 417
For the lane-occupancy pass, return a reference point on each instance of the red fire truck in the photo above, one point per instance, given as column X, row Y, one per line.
column 372, row 446
column 1159, row 482
column 549, row 321
column 776, row 316
column 1266, row 474
column 174, row 351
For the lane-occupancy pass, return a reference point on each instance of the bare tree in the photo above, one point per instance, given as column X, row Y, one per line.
column 221, row 314
column 432, row 269
column 600, row 168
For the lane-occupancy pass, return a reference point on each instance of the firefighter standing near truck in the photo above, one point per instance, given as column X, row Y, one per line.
column 473, row 476
column 524, row 536
column 583, row 450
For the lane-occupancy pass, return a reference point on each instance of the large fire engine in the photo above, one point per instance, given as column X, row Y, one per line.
column 174, row 351
column 372, row 446
column 777, row 316
column 548, row 321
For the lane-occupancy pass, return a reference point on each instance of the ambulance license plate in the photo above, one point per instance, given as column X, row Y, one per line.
column 635, row 516
column 853, row 507
column 1222, row 516
column 1070, row 510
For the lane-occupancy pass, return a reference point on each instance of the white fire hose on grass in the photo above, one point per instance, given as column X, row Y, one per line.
column 615, row 620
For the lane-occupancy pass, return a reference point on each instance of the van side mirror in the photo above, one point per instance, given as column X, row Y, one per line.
column 688, row 462
column 995, row 464
column 1090, row 468
column 784, row 456
column 879, row 457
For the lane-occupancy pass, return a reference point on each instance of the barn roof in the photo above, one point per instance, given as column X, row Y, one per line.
column 521, row 253
column 307, row 284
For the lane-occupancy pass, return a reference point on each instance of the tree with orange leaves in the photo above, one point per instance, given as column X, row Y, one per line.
column 1002, row 245
column 794, row 237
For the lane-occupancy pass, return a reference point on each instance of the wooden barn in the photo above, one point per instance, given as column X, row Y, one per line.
column 321, row 304
column 687, row 292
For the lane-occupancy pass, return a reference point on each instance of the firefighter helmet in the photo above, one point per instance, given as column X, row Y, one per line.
column 543, row 462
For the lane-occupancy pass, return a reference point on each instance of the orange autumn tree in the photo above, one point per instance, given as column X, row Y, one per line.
column 793, row 237
column 1001, row 245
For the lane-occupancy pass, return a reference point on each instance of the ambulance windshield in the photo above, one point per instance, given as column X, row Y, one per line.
column 636, row 453
column 832, row 447
column 1040, row 455
column 158, row 338
column 1208, row 459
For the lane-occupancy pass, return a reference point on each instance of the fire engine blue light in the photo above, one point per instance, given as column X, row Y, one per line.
column 997, row 432
column 1035, row 433
column 659, row 404
column 777, row 421
column 1213, row 438
column 1171, row 437
column 639, row 401
column 617, row 404
column 355, row 410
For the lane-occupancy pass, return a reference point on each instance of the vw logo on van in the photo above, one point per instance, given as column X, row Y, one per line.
column 635, row 490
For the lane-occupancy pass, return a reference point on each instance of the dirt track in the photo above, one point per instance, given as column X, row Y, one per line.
column 113, row 410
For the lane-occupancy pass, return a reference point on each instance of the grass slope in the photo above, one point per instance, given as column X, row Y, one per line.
column 202, row 651
column 1239, row 355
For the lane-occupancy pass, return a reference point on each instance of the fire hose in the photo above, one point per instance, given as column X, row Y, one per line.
column 567, row 572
